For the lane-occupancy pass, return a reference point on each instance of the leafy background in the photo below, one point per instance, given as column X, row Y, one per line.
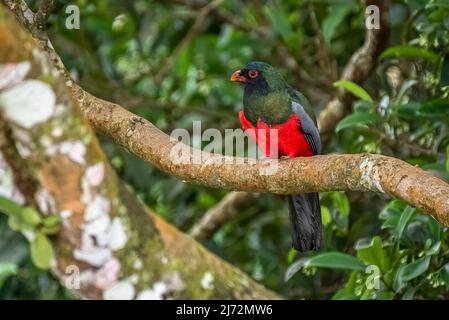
column 170, row 64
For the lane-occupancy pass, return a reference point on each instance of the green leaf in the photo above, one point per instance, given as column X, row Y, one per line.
column 447, row 160
column 331, row 260
column 433, row 250
column 416, row 4
column 348, row 291
column 335, row 17
column 41, row 251
column 50, row 225
column 434, row 108
column 341, row 202
column 357, row 119
column 406, row 215
column 30, row 216
column 326, row 216
column 434, row 229
column 373, row 253
column 410, row 271
column 279, row 21
column 391, row 214
column 335, row 260
column 291, row 255
column 294, row 268
column 444, row 73
column 355, row 89
column 7, row 269
column 14, row 223
column 410, row 52
column 409, row 294
column 9, row 207
column 444, row 275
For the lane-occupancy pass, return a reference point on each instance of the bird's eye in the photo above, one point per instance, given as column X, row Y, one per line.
column 253, row 73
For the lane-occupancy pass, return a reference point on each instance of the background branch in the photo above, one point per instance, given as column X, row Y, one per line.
column 224, row 211
column 197, row 27
column 361, row 63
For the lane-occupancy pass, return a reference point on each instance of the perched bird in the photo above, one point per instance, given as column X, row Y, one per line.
column 270, row 103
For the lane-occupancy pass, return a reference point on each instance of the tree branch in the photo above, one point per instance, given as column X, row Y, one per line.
column 361, row 63
column 34, row 22
column 224, row 211
column 355, row 172
column 41, row 17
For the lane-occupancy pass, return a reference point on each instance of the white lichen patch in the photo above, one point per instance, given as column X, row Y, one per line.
column 138, row 264
column 155, row 293
column 86, row 196
column 207, row 281
column 134, row 278
column 95, row 174
column 107, row 276
column 370, row 177
column 164, row 260
column 13, row 73
column 29, row 235
column 123, row 290
column 117, row 235
column 96, row 256
column 23, row 150
column 86, row 277
column 98, row 207
column 28, row 103
column 75, row 150
column 45, row 201
column 23, row 136
column 45, row 141
column 57, row 132
column 7, row 187
column 174, row 281
column 65, row 214
column 98, row 229
column 101, row 235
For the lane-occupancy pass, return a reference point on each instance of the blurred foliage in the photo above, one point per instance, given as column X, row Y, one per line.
column 157, row 59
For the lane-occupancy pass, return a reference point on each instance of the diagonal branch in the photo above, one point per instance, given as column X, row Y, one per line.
column 34, row 22
column 41, row 17
column 196, row 28
column 224, row 211
column 355, row 172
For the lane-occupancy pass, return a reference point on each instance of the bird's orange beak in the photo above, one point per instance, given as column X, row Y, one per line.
column 237, row 77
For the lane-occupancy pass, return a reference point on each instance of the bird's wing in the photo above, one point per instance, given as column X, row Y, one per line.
column 308, row 126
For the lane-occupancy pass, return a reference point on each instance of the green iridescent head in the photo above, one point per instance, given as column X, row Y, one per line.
column 259, row 76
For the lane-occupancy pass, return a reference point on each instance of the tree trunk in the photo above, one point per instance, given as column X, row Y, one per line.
column 121, row 249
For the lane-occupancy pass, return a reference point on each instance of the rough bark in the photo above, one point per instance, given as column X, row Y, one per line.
column 122, row 250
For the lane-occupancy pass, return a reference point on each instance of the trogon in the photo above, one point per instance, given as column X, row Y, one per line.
column 270, row 103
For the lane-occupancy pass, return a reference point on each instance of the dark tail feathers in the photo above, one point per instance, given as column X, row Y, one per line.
column 305, row 216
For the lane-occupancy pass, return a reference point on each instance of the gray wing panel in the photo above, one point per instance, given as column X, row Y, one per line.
column 308, row 127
